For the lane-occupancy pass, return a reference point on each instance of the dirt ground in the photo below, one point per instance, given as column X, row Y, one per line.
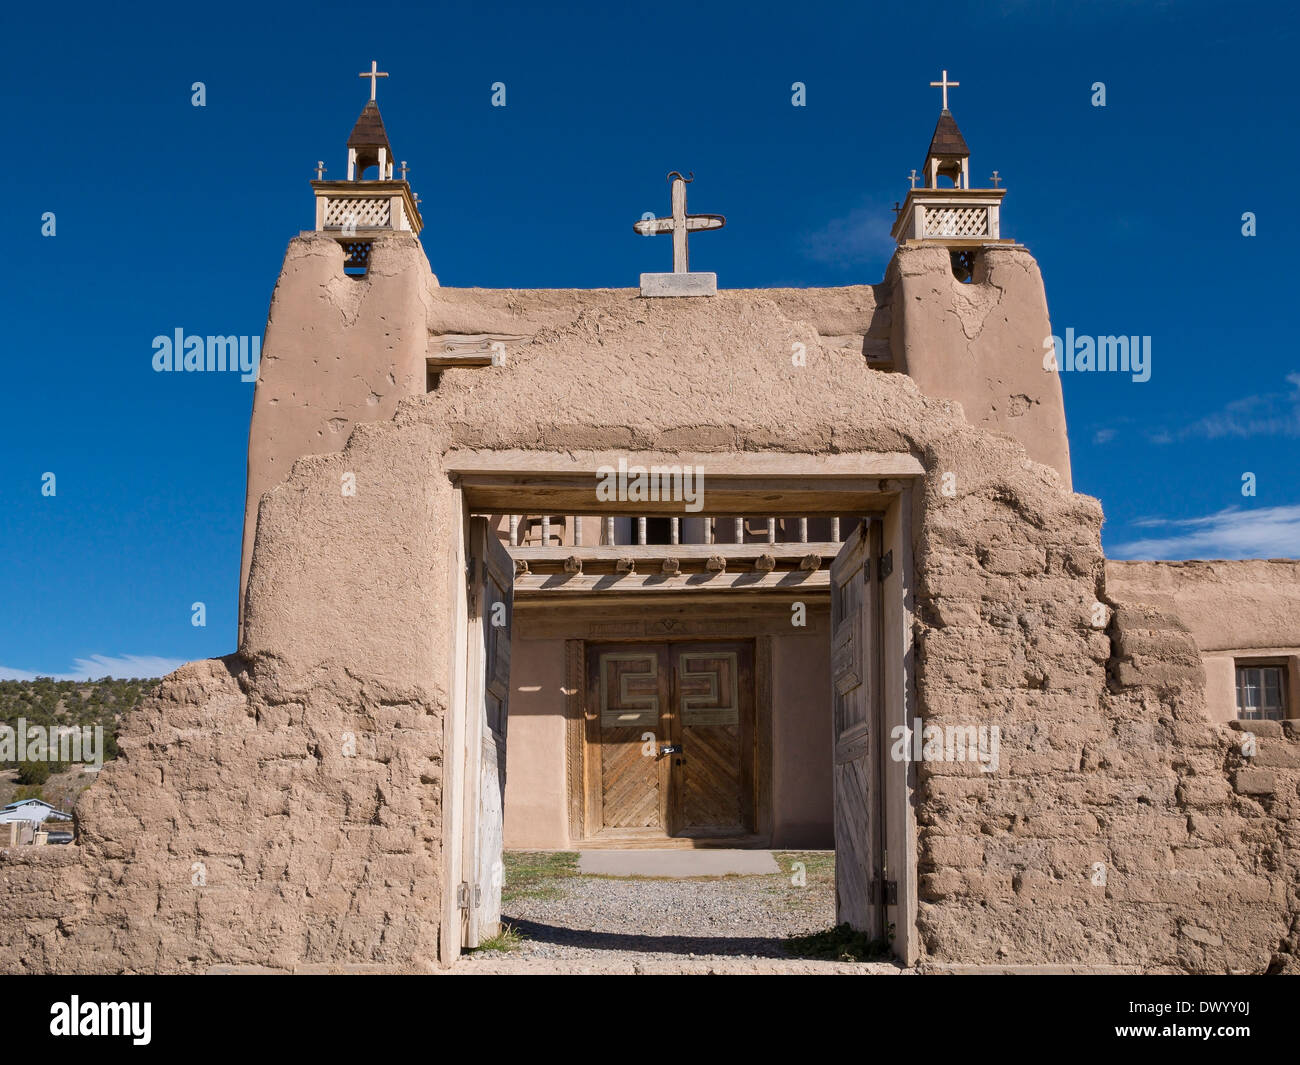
column 560, row 920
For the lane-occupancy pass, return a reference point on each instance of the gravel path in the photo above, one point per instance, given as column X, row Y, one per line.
column 616, row 924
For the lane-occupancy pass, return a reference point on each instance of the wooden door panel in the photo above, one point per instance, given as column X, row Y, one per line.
column 854, row 684
column 853, row 860
column 488, row 698
column 627, row 699
column 629, row 782
column 713, row 778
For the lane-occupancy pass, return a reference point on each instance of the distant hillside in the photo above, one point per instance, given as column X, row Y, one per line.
column 71, row 702
column 63, row 702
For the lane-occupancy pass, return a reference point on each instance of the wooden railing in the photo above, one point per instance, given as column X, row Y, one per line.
column 572, row 528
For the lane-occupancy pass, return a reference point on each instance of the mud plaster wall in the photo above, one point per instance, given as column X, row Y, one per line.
column 341, row 351
column 316, row 857
column 1236, row 610
column 981, row 344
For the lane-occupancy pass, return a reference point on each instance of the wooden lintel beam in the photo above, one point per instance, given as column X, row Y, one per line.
column 613, row 583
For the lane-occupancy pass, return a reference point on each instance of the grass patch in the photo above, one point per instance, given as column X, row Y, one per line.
column 506, row 940
column 841, row 943
column 819, row 866
column 806, row 879
column 536, row 874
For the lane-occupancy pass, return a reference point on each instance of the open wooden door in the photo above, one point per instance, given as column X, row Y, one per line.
column 491, row 599
column 855, row 690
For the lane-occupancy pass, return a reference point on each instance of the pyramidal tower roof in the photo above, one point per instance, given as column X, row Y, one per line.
column 947, row 139
column 369, row 131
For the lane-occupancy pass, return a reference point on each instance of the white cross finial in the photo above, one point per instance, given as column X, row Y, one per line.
column 374, row 73
column 404, row 168
column 320, row 169
column 995, row 179
column 945, row 84
column 913, row 177
column 680, row 223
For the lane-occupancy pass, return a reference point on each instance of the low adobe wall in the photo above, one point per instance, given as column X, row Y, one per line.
column 1238, row 609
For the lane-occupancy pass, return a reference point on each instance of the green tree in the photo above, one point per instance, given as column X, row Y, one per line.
column 33, row 772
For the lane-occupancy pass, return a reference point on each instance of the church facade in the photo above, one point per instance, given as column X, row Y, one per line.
column 801, row 568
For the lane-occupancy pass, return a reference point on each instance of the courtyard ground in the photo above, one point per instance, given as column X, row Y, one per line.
column 561, row 919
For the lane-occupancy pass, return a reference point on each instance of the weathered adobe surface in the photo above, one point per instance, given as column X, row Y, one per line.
column 1228, row 605
column 233, row 829
column 317, row 858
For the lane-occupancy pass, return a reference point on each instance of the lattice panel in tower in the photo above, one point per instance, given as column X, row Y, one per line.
column 358, row 213
column 956, row 222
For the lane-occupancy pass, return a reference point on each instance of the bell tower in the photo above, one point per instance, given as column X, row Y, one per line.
column 354, row 211
column 945, row 210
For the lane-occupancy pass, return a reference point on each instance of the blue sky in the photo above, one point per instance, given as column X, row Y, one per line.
column 169, row 215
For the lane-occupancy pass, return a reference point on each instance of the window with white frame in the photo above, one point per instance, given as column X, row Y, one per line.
column 1261, row 692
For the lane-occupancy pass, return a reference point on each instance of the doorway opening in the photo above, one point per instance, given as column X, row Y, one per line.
column 668, row 732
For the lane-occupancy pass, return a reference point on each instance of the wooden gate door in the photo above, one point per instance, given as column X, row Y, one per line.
column 855, row 687
column 714, row 773
column 490, row 604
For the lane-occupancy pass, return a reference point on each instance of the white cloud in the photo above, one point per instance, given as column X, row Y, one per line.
column 1104, row 436
column 97, row 667
column 1265, row 414
column 859, row 237
column 1267, row 532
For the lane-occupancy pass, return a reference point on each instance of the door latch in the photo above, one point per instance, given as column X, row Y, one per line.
column 670, row 748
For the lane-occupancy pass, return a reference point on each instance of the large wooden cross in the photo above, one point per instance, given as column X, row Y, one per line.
column 373, row 74
column 680, row 223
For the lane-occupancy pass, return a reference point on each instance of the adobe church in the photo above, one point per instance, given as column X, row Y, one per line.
column 677, row 565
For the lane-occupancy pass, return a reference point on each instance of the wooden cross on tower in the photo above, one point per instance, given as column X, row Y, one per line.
column 374, row 73
column 680, row 223
column 945, row 84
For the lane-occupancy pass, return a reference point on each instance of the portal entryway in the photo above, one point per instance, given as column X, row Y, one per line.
column 673, row 732
column 671, row 741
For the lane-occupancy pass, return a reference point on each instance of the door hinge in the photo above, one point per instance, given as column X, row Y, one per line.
column 890, row 892
column 886, row 564
column 463, row 896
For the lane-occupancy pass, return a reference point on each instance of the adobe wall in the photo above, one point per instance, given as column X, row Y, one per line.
column 341, row 351
column 980, row 344
column 280, row 807
column 337, row 352
column 537, row 783
column 316, row 856
column 1247, row 608
column 803, row 815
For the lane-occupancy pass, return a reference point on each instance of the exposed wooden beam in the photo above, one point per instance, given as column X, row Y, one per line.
column 701, row 583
